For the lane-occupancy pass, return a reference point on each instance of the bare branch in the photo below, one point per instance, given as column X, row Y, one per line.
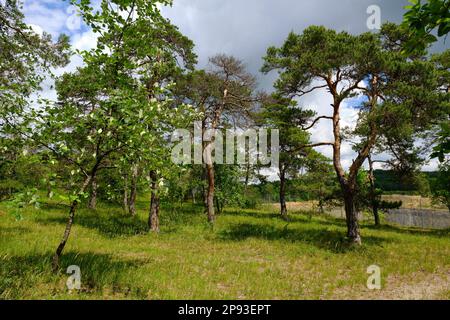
column 315, row 121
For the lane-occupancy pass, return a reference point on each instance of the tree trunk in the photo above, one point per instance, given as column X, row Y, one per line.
column 210, row 193
column 374, row 200
column 218, row 205
column 125, row 194
column 133, row 194
column 193, row 195
column 49, row 190
column 73, row 208
column 347, row 184
column 153, row 220
column 93, row 197
column 351, row 217
column 247, row 175
column 283, row 207
column 376, row 215
column 321, row 200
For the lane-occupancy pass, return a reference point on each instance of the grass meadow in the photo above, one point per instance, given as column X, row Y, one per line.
column 249, row 254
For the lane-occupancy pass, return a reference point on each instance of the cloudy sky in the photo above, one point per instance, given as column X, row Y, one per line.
column 243, row 28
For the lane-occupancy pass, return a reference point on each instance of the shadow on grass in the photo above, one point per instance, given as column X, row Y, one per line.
column 18, row 273
column 293, row 217
column 113, row 222
column 176, row 216
column 251, row 214
column 13, row 230
column 331, row 240
column 110, row 225
column 54, row 206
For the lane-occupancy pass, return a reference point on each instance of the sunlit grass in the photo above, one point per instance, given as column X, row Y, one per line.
column 249, row 254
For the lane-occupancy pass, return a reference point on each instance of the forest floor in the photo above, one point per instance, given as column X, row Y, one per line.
column 249, row 254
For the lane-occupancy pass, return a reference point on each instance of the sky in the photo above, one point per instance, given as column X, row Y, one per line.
column 244, row 29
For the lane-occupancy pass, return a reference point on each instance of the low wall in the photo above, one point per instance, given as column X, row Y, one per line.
column 421, row 218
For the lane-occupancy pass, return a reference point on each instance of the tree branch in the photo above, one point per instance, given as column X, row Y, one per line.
column 315, row 121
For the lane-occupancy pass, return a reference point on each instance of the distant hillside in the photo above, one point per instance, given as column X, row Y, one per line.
column 390, row 181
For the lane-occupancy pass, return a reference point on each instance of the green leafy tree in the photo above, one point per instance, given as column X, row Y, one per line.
column 440, row 186
column 283, row 113
column 104, row 110
column 442, row 136
column 223, row 96
column 370, row 66
column 320, row 180
column 370, row 198
column 26, row 58
column 422, row 18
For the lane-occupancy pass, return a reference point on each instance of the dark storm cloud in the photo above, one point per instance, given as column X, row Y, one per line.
column 246, row 28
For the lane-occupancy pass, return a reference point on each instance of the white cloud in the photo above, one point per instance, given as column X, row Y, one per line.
column 36, row 29
column 84, row 41
column 241, row 28
column 51, row 19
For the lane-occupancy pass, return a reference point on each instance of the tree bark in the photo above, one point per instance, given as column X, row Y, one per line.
column 347, row 184
column 133, row 193
column 73, row 208
column 153, row 220
column 210, row 193
column 93, row 197
column 376, row 215
column 218, row 205
column 247, row 175
column 193, row 195
column 283, row 207
column 374, row 200
column 351, row 215
column 125, row 194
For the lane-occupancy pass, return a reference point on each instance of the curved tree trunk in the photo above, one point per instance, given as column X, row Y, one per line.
column 133, row 193
column 153, row 220
column 73, row 208
column 347, row 182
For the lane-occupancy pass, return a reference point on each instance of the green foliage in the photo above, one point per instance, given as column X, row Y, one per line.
column 400, row 97
column 23, row 200
column 229, row 188
column 25, row 60
column 392, row 181
column 368, row 197
column 421, row 20
column 386, row 205
column 283, row 113
column 443, row 148
column 441, row 185
column 424, row 18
